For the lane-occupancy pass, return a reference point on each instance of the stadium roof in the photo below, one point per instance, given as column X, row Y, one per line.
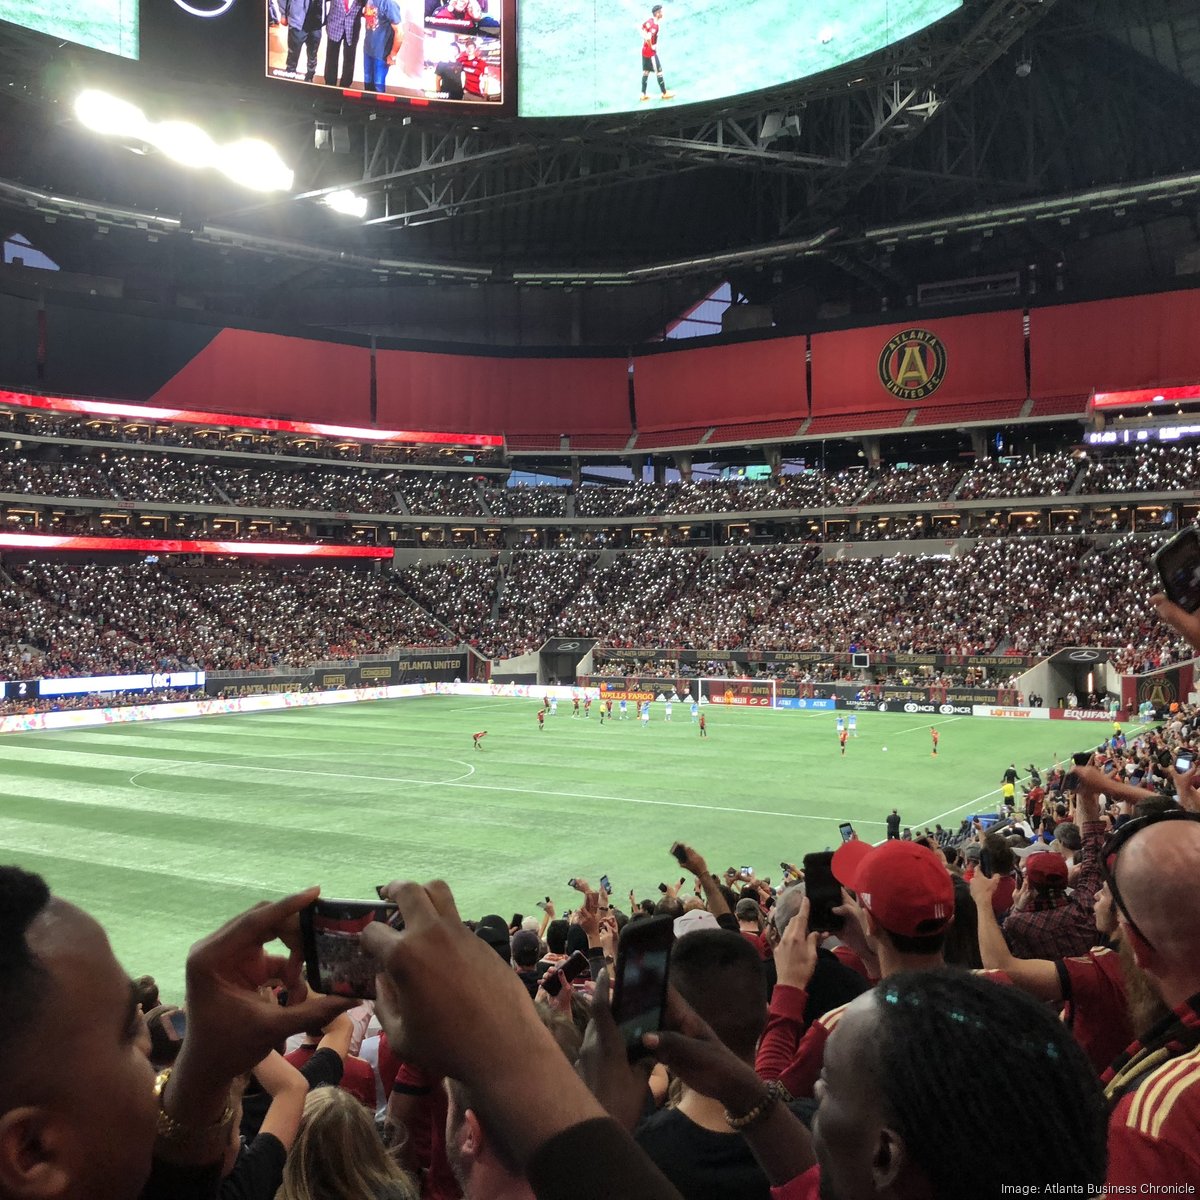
column 942, row 174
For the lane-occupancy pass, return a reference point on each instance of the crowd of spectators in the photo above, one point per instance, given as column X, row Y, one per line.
column 1027, row 597
column 1021, row 596
column 1151, row 469
column 258, row 442
column 98, row 619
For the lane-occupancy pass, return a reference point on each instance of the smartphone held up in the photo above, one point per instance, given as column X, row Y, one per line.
column 335, row 962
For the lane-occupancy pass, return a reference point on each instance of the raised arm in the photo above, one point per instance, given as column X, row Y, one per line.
column 1037, row 976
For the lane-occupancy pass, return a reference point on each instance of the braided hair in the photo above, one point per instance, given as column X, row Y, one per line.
column 935, row 1030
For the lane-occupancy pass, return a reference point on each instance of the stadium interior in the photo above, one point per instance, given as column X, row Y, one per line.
column 870, row 397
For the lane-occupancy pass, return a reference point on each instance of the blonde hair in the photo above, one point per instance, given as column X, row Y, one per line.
column 339, row 1156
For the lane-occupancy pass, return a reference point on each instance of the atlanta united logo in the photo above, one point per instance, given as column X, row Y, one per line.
column 913, row 364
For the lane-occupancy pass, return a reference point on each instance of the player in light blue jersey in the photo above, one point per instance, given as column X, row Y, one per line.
column 841, row 723
column 695, row 712
column 667, row 711
column 553, row 706
column 852, row 722
column 645, row 714
column 623, row 707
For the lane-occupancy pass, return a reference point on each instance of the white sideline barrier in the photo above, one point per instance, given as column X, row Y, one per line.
column 522, row 691
column 992, row 710
column 81, row 718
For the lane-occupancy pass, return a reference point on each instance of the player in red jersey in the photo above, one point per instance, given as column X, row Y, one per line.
column 575, row 710
column 587, row 707
column 842, row 739
column 476, row 738
column 650, row 59
column 703, row 727
column 541, row 719
column 608, row 708
column 473, row 67
column 933, row 733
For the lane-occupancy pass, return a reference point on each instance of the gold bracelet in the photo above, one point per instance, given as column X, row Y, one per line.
column 775, row 1092
column 179, row 1135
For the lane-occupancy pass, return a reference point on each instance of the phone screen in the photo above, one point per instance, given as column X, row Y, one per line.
column 1184, row 761
column 640, row 989
column 823, row 891
column 1178, row 564
column 605, row 884
column 178, row 1023
column 334, row 960
column 571, row 970
column 847, row 831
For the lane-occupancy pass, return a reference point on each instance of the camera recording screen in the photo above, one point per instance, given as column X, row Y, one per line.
column 110, row 25
column 453, row 51
column 601, row 56
column 335, row 961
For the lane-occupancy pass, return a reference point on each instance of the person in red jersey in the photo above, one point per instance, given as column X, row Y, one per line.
column 650, row 59
column 1104, row 994
column 703, row 727
column 1154, row 1088
column 575, row 710
column 473, row 67
column 905, row 906
column 587, row 707
column 477, row 738
column 933, row 733
column 608, row 708
column 541, row 719
column 842, row 741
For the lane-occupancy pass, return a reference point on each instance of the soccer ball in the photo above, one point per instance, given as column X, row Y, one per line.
column 885, row 749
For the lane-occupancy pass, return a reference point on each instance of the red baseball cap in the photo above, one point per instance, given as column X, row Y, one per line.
column 1048, row 869
column 903, row 885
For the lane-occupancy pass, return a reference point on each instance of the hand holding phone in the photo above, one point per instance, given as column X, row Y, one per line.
column 847, row 832
column 639, row 998
column 823, row 891
column 1178, row 565
column 335, row 963
column 575, row 966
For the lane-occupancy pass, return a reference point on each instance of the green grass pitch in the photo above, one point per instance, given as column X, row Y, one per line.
column 164, row 830
column 582, row 58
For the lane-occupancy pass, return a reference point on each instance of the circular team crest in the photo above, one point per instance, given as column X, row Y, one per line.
column 913, row 364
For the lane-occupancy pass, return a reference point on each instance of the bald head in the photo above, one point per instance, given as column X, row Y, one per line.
column 1158, row 874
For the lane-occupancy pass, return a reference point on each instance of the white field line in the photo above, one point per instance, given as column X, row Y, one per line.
column 489, row 787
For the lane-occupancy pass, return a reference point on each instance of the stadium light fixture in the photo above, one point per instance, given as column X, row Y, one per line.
column 255, row 164
column 184, row 143
column 109, row 115
column 347, row 203
column 250, row 162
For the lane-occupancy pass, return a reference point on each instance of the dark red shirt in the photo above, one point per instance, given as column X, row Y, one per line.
column 473, row 69
column 357, row 1077
column 1097, row 1007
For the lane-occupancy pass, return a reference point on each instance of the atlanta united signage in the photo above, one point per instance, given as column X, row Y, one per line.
column 913, row 364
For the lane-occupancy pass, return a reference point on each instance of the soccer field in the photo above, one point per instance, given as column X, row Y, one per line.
column 163, row 830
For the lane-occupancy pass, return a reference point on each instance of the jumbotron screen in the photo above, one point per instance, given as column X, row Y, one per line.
column 458, row 52
column 602, row 56
column 110, row 25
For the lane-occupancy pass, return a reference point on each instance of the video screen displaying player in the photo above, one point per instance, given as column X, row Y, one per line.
column 448, row 50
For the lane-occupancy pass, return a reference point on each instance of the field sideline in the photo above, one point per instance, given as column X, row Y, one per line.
column 163, row 830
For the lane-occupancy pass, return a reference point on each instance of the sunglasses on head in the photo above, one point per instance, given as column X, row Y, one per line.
column 1120, row 839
